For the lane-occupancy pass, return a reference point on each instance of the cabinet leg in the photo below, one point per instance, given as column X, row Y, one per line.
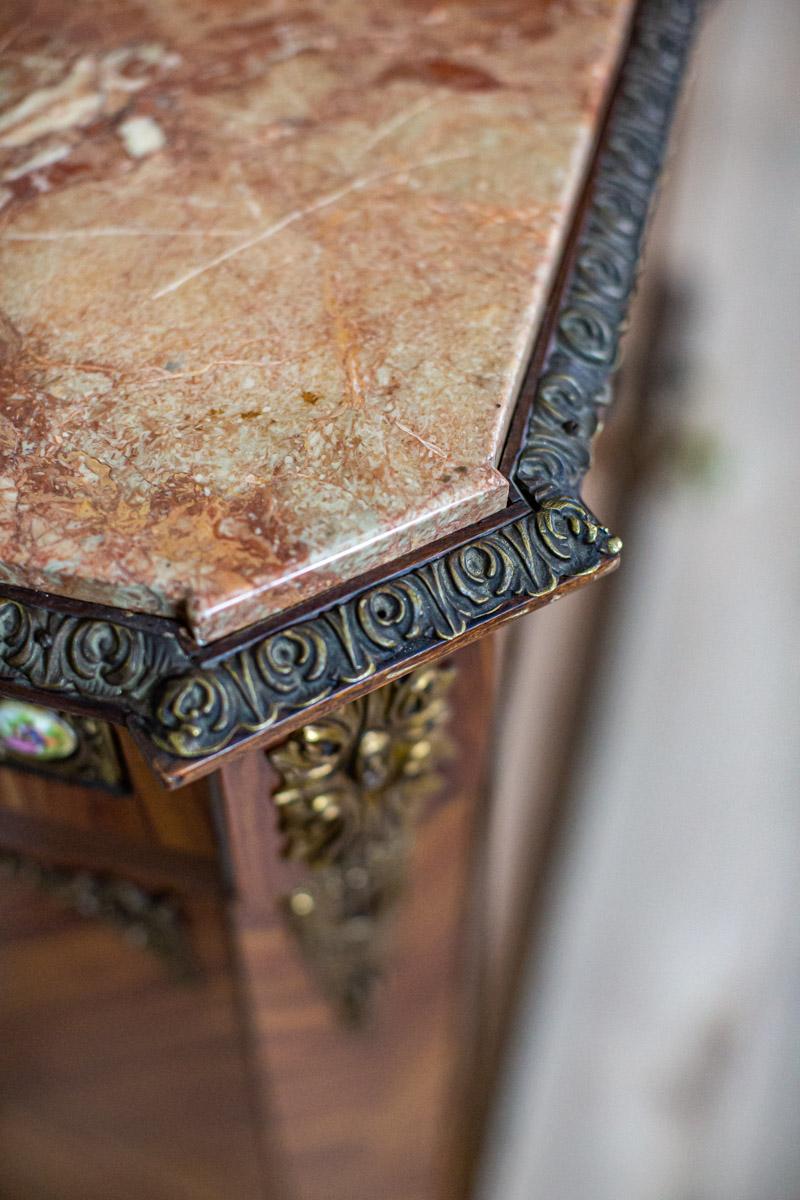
column 350, row 849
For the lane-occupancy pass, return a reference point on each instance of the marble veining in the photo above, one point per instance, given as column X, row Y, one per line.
column 269, row 275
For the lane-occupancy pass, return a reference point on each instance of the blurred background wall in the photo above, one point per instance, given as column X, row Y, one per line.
column 656, row 1053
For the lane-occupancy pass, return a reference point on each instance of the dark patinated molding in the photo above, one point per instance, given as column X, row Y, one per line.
column 573, row 386
column 193, row 707
column 84, row 658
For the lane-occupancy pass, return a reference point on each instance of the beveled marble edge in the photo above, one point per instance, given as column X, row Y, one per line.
column 194, row 712
column 418, row 171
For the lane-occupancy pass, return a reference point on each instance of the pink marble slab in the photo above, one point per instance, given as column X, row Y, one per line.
column 269, row 276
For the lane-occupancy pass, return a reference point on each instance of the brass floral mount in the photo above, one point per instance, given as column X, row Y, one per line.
column 351, row 786
column 190, row 703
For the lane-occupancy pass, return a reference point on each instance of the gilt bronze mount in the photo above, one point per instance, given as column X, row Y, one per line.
column 352, row 785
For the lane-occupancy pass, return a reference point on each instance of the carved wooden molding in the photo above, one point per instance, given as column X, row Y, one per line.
column 193, row 704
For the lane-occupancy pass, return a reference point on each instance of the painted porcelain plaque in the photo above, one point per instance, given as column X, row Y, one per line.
column 39, row 734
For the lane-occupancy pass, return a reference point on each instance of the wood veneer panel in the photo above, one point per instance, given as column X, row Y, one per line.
column 373, row 1110
column 147, row 815
column 118, row 1082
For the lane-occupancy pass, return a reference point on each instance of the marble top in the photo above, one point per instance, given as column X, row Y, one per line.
column 269, row 276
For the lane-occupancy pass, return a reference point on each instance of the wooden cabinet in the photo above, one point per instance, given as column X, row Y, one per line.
column 312, row 321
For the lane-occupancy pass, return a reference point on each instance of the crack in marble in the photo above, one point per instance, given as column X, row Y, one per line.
column 307, row 210
column 418, row 437
column 111, row 231
column 384, row 131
